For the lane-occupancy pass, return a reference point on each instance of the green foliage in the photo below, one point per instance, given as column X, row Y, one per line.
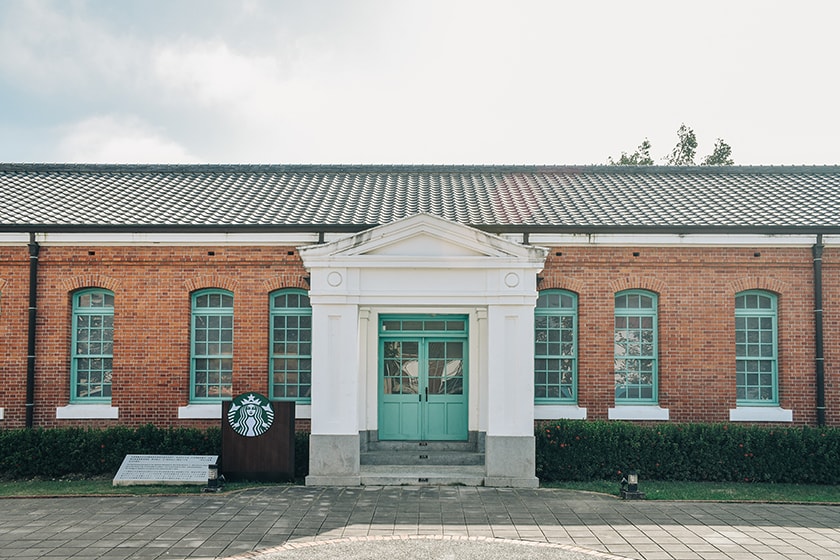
column 301, row 455
column 87, row 452
column 721, row 155
column 640, row 157
column 92, row 452
column 683, row 153
column 582, row 450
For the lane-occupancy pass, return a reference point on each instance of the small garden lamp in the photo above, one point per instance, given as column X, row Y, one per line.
column 212, row 478
column 630, row 487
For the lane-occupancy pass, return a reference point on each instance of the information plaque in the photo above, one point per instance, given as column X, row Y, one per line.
column 147, row 470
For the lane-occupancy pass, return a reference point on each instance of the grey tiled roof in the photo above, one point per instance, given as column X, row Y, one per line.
column 526, row 198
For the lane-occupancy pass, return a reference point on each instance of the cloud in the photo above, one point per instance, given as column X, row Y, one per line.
column 118, row 139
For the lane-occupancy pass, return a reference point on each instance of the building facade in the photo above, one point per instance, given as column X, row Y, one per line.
column 419, row 304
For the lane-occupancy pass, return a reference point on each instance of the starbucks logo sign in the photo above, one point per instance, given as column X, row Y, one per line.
column 250, row 414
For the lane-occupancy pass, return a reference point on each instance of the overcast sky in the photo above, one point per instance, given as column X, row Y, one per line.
column 517, row 82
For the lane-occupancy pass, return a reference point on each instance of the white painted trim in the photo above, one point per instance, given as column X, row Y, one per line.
column 200, row 411
column 87, row 412
column 760, row 414
column 311, row 238
column 692, row 239
column 1, row 413
column 14, row 238
column 558, row 411
column 639, row 412
column 192, row 239
column 214, row 411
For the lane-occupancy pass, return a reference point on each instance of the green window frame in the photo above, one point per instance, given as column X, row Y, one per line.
column 555, row 347
column 211, row 348
column 290, row 347
column 92, row 346
column 636, row 347
column 756, row 348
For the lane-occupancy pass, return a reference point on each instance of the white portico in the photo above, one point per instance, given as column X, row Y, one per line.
column 422, row 330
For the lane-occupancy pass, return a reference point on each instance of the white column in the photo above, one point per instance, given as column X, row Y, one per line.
column 334, row 441
column 509, row 443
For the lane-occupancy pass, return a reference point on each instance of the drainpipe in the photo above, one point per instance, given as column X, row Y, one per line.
column 34, row 249
column 819, row 358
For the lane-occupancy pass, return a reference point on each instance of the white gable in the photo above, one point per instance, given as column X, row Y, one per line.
column 422, row 237
column 424, row 244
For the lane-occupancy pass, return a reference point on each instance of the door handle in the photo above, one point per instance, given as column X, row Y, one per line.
column 427, row 393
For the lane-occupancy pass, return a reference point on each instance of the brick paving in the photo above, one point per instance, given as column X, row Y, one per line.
column 274, row 521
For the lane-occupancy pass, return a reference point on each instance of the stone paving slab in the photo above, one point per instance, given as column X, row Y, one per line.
column 210, row 526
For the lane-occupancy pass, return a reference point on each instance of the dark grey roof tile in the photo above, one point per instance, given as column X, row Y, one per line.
column 545, row 197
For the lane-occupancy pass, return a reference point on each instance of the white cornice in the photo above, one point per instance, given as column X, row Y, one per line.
column 312, row 238
column 685, row 240
column 116, row 239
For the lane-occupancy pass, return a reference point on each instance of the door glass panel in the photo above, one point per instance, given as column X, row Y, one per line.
column 446, row 368
column 401, row 368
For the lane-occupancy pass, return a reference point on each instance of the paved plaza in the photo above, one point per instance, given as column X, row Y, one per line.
column 297, row 523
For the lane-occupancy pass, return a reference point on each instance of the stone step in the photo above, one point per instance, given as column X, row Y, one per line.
column 422, row 446
column 421, row 457
column 420, row 475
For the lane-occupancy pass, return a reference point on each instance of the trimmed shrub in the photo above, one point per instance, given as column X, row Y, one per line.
column 600, row 450
column 87, row 452
column 301, row 455
column 58, row 452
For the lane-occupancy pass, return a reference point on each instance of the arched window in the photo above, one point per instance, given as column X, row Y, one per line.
column 636, row 354
column 555, row 349
column 756, row 349
column 211, row 369
column 290, row 354
column 92, row 346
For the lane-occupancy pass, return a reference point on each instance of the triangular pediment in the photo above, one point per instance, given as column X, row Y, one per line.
column 423, row 236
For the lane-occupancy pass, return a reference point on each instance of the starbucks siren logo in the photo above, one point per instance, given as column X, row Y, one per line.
column 250, row 414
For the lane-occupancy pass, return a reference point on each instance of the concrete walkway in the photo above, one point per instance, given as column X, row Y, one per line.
column 296, row 523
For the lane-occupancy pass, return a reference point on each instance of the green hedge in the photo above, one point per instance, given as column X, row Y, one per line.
column 586, row 450
column 565, row 450
column 58, row 452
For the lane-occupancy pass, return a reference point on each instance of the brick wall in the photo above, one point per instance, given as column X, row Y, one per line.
column 696, row 289
column 152, row 285
column 14, row 319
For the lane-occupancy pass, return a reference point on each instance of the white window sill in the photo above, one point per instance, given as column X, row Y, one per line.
column 213, row 411
column 558, row 411
column 760, row 414
column 639, row 412
column 87, row 412
column 1, row 413
column 200, row 411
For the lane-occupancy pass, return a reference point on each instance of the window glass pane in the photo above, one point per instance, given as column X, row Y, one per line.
column 755, row 348
column 555, row 333
column 290, row 358
column 635, row 347
column 92, row 347
column 212, row 335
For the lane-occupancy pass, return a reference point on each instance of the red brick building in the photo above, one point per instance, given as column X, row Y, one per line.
column 416, row 303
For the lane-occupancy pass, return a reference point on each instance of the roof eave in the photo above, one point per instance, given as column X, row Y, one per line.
column 580, row 229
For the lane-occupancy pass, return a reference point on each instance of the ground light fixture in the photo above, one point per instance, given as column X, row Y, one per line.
column 630, row 487
column 212, row 478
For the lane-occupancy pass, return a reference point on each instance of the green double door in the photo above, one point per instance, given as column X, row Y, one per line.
column 422, row 378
